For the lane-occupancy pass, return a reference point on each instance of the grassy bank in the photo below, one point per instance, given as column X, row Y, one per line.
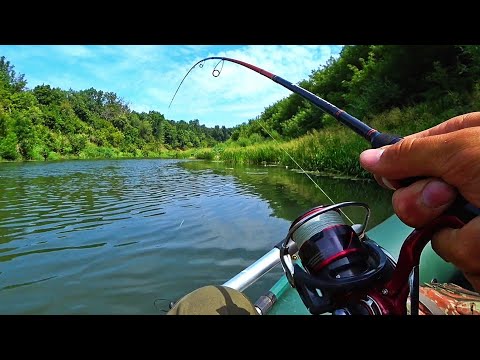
column 333, row 152
column 335, row 149
column 93, row 152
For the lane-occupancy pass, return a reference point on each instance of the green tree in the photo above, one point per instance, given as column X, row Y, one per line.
column 8, row 147
column 9, row 78
column 25, row 132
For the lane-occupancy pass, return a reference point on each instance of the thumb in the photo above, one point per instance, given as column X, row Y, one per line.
column 409, row 157
column 452, row 157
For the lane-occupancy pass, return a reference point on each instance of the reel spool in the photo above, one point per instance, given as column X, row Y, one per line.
column 338, row 264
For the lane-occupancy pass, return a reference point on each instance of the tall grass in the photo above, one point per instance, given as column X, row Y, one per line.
column 205, row 154
column 335, row 150
column 329, row 152
column 267, row 152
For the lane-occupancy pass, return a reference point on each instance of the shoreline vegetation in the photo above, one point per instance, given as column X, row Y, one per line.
column 393, row 88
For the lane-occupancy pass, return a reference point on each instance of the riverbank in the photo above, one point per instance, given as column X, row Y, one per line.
column 333, row 152
column 328, row 153
column 335, row 149
column 107, row 154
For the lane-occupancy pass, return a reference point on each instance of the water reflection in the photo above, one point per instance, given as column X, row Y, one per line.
column 110, row 237
column 290, row 193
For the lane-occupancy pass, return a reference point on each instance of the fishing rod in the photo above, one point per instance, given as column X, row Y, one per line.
column 344, row 272
column 461, row 209
column 376, row 138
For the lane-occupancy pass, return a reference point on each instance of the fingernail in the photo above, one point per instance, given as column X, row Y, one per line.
column 370, row 157
column 437, row 193
column 388, row 184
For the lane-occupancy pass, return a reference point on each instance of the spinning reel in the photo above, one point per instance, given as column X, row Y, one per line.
column 343, row 272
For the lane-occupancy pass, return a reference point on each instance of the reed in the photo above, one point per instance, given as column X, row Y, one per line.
column 335, row 149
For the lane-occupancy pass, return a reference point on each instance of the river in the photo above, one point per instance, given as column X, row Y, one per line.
column 128, row 236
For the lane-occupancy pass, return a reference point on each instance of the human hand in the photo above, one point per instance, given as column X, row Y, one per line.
column 447, row 156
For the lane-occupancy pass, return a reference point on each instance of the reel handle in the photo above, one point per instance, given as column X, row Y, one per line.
column 392, row 297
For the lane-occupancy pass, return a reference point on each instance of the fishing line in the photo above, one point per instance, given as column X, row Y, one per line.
column 215, row 72
column 318, row 186
column 356, row 125
column 200, row 65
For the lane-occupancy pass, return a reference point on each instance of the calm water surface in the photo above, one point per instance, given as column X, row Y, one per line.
column 128, row 236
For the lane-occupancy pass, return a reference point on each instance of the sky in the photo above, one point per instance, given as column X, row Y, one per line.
column 147, row 76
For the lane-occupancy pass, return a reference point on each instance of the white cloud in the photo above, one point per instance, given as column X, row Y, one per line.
column 239, row 91
column 76, row 51
column 146, row 76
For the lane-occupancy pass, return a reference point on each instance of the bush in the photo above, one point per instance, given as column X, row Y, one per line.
column 205, row 154
column 40, row 152
column 52, row 155
column 9, row 147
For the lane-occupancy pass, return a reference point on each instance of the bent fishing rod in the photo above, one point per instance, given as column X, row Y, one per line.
column 460, row 209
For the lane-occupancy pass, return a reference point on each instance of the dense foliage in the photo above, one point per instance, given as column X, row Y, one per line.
column 50, row 123
column 395, row 88
column 367, row 80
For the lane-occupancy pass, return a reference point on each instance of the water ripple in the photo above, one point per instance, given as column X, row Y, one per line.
column 111, row 236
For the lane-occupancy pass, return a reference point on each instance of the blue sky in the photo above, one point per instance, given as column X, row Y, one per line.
column 146, row 76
